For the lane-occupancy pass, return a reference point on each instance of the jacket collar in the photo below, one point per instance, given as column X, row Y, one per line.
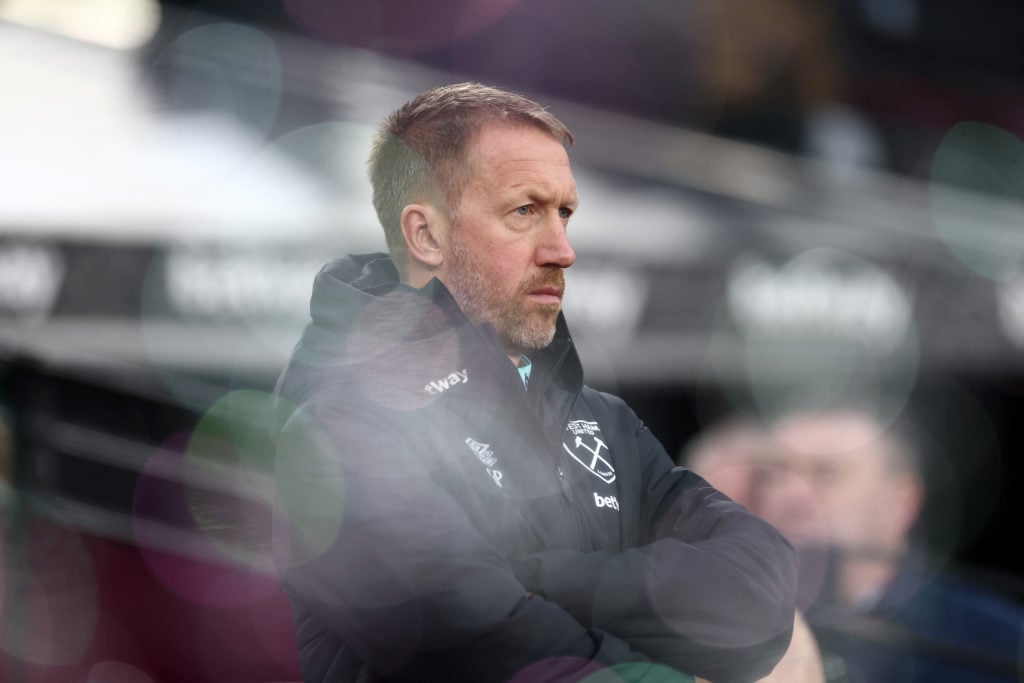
column 363, row 291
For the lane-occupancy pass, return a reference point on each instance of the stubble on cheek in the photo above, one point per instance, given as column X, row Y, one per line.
column 531, row 323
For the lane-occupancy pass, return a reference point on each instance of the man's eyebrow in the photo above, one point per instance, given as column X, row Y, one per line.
column 535, row 194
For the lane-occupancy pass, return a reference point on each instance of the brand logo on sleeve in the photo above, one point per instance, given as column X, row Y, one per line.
column 586, row 447
column 486, row 456
column 483, row 452
column 440, row 385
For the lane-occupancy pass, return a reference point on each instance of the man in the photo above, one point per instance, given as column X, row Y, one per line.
column 847, row 491
column 459, row 506
column 836, row 477
column 732, row 456
column 729, row 455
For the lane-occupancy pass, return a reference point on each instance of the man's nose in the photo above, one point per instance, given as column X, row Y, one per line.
column 555, row 249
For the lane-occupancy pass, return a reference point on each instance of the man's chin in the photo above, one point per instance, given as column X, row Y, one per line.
column 528, row 340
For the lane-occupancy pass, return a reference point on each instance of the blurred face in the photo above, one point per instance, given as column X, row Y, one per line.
column 830, row 483
column 507, row 248
column 731, row 461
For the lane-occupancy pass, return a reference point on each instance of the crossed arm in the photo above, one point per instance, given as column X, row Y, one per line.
column 709, row 588
column 407, row 585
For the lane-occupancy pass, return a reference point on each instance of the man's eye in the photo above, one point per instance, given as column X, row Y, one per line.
column 564, row 212
column 523, row 210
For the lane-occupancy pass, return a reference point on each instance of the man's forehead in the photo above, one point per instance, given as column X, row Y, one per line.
column 521, row 160
column 831, row 437
column 503, row 143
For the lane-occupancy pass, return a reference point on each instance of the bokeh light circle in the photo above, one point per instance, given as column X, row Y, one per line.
column 228, row 68
column 310, row 491
column 231, row 445
column 824, row 328
column 190, row 561
column 975, row 194
column 51, row 608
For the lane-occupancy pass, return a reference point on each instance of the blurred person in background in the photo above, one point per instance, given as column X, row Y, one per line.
column 843, row 487
column 731, row 455
column 459, row 505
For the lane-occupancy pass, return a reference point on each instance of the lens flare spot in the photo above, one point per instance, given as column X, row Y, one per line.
column 183, row 556
column 309, row 491
column 824, row 327
column 50, row 614
column 230, row 492
column 225, row 67
column 977, row 184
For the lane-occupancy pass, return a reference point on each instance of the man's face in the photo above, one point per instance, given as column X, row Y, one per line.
column 507, row 248
column 830, row 482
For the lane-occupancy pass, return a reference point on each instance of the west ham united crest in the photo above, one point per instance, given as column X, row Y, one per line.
column 586, row 447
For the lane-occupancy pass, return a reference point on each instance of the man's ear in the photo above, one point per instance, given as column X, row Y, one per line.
column 424, row 231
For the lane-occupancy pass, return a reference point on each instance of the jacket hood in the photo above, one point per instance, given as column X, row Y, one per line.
column 358, row 303
column 377, row 330
column 347, row 285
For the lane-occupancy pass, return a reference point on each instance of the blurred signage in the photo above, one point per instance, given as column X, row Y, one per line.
column 240, row 283
column 825, row 298
column 820, row 295
column 30, row 278
column 108, row 281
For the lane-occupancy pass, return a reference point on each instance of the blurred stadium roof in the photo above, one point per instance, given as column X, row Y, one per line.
column 216, row 169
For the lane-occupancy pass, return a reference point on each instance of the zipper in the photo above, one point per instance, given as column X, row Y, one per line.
column 558, row 456
column 583, row 539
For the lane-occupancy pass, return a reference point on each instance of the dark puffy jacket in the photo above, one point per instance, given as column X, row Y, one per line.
column 444, row 523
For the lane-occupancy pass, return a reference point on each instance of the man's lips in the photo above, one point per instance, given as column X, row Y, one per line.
column 547, row 295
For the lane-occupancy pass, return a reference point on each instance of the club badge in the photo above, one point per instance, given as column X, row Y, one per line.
column 586, row 446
